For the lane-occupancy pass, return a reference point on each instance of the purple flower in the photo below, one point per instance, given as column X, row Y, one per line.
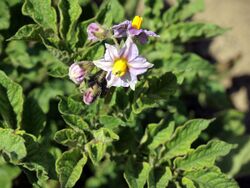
column 123, row 66
column 76, row 73
column 133, row 29
column 96, row 32
column 91, row 94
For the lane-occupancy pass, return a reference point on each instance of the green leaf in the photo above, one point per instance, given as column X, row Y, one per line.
column 105, row 135
column 96, row 150
column 206, row 178
column 70, row 106
column 76, row 122
column 12, row 146
column 187, row 182
column 70, row 138
column 187, row 31
column 42, row 13
column 136, row 174
column 162, row 136
column 70, row 11
column 69, row 167
column 146, row 96
column 34, row 119
column 11, row 101
column 30, row 32
column 4, row 15
column 182, row 11
column 203, row 156
column 159, row 177
column 184, row 137
column 110, row 122
column 17, row 51
column 58, row 70
column 188, row 66
column 7, row 174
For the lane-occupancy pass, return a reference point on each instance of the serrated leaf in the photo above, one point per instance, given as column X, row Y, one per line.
column 159, row 177
column 203, row 156
column 162, row 136
column 70, row 138
column 182, row 11
column 209, row 178
column 187, row 31
column 69, row 167
column 110, row 122
column 11, row 101
column 105, row 135
column 184, row 137
column 42, row 12
column 70, row 11
column 68, row 105
column 30, row 32
column 12, row 146
column 136, row 174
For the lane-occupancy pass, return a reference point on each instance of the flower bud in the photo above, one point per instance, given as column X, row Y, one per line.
column 76, row 73
column 91, row 94
column 96, row 32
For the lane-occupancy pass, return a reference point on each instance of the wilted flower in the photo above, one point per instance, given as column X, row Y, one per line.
column 76, row 73
column 91, row 94
column 133, row 29
column 123, row 65
column 96, row 32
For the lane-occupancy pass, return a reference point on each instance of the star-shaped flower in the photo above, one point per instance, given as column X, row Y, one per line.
column 123, row 65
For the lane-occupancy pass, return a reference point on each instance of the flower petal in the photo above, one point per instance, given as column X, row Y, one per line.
column 103, row 64
column 113, row 80
column 111, row 53
column 150, row 33
column 130, row 79
column 139, row 66
column 130, row 50
column 120, row 30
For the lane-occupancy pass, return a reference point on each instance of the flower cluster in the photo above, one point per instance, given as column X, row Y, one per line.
column 120, row 66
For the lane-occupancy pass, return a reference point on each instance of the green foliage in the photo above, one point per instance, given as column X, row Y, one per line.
column 69, row 167
column 147, row 137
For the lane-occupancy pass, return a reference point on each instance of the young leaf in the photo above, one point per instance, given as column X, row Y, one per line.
column 70, row 138
column 69, row 167
column 42, row 12
column 70, row 11
column 136, row 174
column 70, row 106
column 184, row 137
column 12, row 146
column 203, row 156
column 187, row 31
column 187, row 182
column 159, row 177
column 11, row 101
column 211, row 178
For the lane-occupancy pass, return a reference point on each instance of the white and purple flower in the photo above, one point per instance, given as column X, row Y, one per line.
column 133, row 29
column 76, row 73
column 123, row 66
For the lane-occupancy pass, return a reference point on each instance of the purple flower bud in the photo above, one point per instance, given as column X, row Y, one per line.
column 96, row 32
column 91, row 94
column 76, row 73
